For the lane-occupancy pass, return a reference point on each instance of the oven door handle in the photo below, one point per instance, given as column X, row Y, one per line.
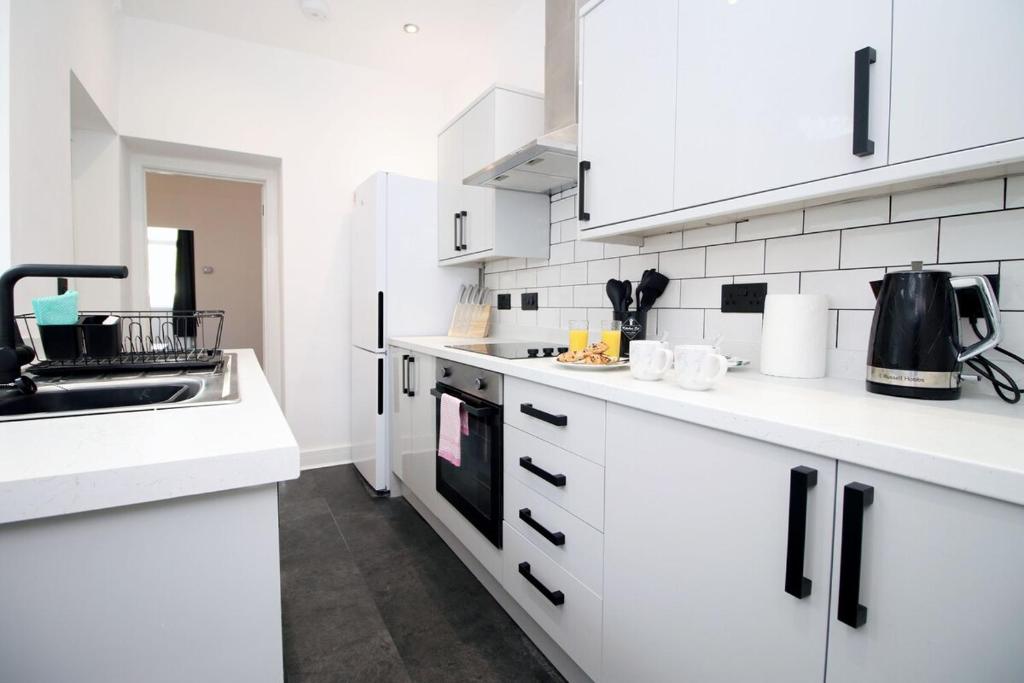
column 486, row 411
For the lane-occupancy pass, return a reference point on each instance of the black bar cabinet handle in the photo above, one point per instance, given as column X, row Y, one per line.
column 462, row 230
column 862, row 60
column 526, row 462
column 472, row 410
column 856, row 497
column 409, row 373
column 455, row 231
column 801, row 480
column 380, row 386
column 557, row 420
column 556, row 597
column 584, row 167
column 380, row 320
column 556, row 537
column 405, row 374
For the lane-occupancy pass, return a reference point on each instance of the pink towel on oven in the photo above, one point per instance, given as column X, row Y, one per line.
column 454, row 424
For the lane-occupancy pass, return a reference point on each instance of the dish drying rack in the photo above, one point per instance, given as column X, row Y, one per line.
column 146, row 340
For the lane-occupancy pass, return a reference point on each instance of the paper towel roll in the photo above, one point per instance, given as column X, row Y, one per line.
column 794, row 335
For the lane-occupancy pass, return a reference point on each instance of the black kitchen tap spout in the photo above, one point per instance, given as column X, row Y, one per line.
column 10, row 368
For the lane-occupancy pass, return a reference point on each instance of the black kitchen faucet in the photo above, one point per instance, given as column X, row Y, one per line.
column 10, row 360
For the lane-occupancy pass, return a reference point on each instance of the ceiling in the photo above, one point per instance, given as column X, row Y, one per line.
column 363, row 32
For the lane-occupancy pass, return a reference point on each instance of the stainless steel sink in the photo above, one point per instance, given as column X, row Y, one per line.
column 124, row 392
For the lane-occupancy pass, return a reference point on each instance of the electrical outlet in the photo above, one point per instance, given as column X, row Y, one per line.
column 745, row 298
column 529, row 301
column 504, row 302
column 969, row 301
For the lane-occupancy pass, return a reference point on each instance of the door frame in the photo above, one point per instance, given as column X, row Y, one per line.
column 139, row 163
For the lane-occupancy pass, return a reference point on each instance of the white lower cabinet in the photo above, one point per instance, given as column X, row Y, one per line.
column 696, row 543
column 940, row 581
column 416, row 419
column 567, row 610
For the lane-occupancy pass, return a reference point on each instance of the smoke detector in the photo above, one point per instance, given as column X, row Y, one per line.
column 315, row 9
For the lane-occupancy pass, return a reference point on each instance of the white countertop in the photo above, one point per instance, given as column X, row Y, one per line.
column 64, row 465
column 975, row 444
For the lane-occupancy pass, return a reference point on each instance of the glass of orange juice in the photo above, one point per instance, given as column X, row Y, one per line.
column 579, row 335
column 611, row 334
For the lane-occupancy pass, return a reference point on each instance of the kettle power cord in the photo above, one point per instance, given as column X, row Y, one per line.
column 1004, row 385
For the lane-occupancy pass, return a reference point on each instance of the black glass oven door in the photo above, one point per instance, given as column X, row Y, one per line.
column 474, row 487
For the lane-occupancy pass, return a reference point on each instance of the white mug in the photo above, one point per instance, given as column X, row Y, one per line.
column 649, row 360
column 698, row 366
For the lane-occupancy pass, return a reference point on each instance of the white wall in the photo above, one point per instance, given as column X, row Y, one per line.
column 5, row 135
column 331, row 125
column 50, row 40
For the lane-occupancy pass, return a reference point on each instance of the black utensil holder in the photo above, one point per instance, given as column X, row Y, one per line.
column 101, row 341
column 634, row 328
column 61, row 342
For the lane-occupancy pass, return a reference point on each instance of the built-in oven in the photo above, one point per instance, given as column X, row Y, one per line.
column 474, row 487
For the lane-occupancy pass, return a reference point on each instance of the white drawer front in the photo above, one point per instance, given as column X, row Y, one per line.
column 575, row 545
column 583, row 432
column 582, row 492
column 576, row 623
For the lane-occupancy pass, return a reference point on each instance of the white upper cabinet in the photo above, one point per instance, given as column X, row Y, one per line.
column 702, row 531
column 934, row 575
column 766, row 90
column 627, row 105
column 478, row 223
column 956, row 75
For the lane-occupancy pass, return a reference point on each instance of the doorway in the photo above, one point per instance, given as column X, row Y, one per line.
column 205, row 251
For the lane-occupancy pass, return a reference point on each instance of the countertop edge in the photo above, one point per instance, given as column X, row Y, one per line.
column 971, row 475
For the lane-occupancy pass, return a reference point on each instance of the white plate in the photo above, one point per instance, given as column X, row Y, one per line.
column 735, row 362
column 617, row 365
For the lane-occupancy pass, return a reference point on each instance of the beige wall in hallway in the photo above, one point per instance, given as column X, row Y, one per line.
column 226, row 216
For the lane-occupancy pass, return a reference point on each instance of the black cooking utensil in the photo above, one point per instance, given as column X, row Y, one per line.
column 652, row 285
column 615, row 291
column 628, row 298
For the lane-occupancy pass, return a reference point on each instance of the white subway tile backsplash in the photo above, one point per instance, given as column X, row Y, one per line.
column 1011, row 286
column 703, row 293
column 1015, row 191
column 632, row 267
column 562, row 253
column 667, row 242
column 526, row 278
column 526, row 318
column 982, row 237
column 560, row 297
column 591, row 296
column 886, row 245
column 570, row 314
column 844, row 288
column 733, row 327
column 682, row 325
column 602, row 271
column 567, row 230
column 515, row 263
column 682, row 263
column 507, row 279
column 775, row 225
column 969, row 268
column 852, row 214
column 563, row 209
column 615, row 250
column 854, row 329
column 549, row 276
column 670, row 298
column 949, row 200
column 716, row 234
column 574, row 274
column 741, row 258
column 803, row 252
column 491, row 280
column 548, row 318
column 556, row 233
column 589, row 251
column 536, row 262
column 779, row 283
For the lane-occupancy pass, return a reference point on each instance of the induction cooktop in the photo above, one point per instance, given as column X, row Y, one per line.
column 513, row 350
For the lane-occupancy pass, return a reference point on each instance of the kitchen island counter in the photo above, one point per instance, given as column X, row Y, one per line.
column 975, row 444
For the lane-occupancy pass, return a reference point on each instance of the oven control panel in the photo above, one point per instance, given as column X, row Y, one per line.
column 477, row 382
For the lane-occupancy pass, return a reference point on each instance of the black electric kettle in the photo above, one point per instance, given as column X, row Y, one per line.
column 914, row 349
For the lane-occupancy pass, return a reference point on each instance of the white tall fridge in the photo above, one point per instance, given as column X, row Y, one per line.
column 396, row 288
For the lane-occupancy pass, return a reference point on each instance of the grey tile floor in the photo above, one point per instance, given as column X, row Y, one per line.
column 370, row 593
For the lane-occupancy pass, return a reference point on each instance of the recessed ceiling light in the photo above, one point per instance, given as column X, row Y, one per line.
column 411, row 28
column 315, row 9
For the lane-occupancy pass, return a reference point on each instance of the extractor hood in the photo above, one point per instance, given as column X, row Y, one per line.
column 548, row 164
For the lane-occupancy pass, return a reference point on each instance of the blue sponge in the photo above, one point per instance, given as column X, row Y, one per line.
column 56, row 310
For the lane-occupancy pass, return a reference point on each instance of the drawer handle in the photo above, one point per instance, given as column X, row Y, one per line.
column 557, row 420
column 856, row 497
column 862, row 60
column 526, row 462
column 556, row 597
column 801, row 480
column 556, row 538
